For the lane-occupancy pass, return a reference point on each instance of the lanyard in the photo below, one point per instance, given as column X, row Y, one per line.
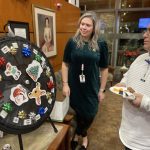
column 147, row 73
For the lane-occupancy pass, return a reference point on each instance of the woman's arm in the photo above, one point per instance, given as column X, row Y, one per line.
column 66, row 89
column 104, row 75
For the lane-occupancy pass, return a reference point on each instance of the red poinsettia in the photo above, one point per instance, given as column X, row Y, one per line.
column 50, row 85
column 129, row 53
column 2, row 61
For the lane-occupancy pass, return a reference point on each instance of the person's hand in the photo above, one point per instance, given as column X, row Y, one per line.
column 66, row 89
column 101, row 96
column 120, row 84
column 138, row 100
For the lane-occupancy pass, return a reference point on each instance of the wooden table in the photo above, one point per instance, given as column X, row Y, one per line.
column 43, row 138
column 61, row 142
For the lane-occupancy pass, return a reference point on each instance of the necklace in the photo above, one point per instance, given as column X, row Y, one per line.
column 147, row 73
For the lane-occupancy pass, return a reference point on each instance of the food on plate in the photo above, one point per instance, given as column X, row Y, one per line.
column 130, row 89
column 125, row 92
column 129, row 93
column 118, row 90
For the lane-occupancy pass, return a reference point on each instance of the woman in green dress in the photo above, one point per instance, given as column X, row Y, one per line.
column 84, row 74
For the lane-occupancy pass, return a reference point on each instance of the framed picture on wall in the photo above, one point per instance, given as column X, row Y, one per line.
column 44, row 21
column 19, row 29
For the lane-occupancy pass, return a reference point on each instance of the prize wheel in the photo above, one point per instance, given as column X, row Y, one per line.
column 27, row 86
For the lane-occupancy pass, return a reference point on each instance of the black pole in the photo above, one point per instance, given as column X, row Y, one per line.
column 55, row 129
column 20, row 141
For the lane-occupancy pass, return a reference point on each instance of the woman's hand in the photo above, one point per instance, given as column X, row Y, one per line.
column 101, row 96
column 66, row 89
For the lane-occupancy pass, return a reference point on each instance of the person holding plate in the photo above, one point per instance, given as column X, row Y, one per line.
column 85, row 58
column 134, row 131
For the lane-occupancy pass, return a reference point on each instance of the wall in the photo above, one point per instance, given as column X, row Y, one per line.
column 66, row 21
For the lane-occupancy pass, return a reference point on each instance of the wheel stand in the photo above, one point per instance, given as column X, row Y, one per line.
column 20, row 137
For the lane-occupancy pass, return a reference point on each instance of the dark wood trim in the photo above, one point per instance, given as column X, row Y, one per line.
column 61, row 142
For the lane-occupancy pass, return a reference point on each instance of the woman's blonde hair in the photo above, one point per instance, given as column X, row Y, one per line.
column 95, row 35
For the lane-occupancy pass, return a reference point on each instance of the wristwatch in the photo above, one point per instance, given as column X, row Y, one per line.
column 103, row 90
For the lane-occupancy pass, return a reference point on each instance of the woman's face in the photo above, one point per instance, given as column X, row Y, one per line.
column 86, row 27
column 147, row 39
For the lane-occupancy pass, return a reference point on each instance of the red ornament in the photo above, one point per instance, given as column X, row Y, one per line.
column 1, row 94
column 2, row 61
column 50, row 85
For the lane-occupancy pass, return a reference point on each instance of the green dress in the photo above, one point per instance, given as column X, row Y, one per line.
column 84, row 96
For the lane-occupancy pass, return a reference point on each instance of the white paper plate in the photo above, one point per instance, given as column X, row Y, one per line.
column 117, row 90
column 123, row 92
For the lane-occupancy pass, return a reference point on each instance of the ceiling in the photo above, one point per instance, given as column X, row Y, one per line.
column 96, row 4
column 108, row 4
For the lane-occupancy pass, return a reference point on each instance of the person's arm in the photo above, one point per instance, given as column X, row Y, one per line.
column 104, row 75
column 66, row 89
column 145, row 102
column 65, row 67
column 141, row 101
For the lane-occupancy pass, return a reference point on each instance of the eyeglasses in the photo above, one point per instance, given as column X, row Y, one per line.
column 147, row 31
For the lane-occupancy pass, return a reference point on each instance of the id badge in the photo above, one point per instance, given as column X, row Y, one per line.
column 82, row 78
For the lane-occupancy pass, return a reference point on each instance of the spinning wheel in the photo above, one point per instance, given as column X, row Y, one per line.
column 27, row 86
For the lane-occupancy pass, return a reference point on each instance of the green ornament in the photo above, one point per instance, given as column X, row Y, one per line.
column 34, row 70
column 37, row 57
column 7, row 107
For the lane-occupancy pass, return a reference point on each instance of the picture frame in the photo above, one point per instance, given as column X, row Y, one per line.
column 44, row 22
column 19, row 28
